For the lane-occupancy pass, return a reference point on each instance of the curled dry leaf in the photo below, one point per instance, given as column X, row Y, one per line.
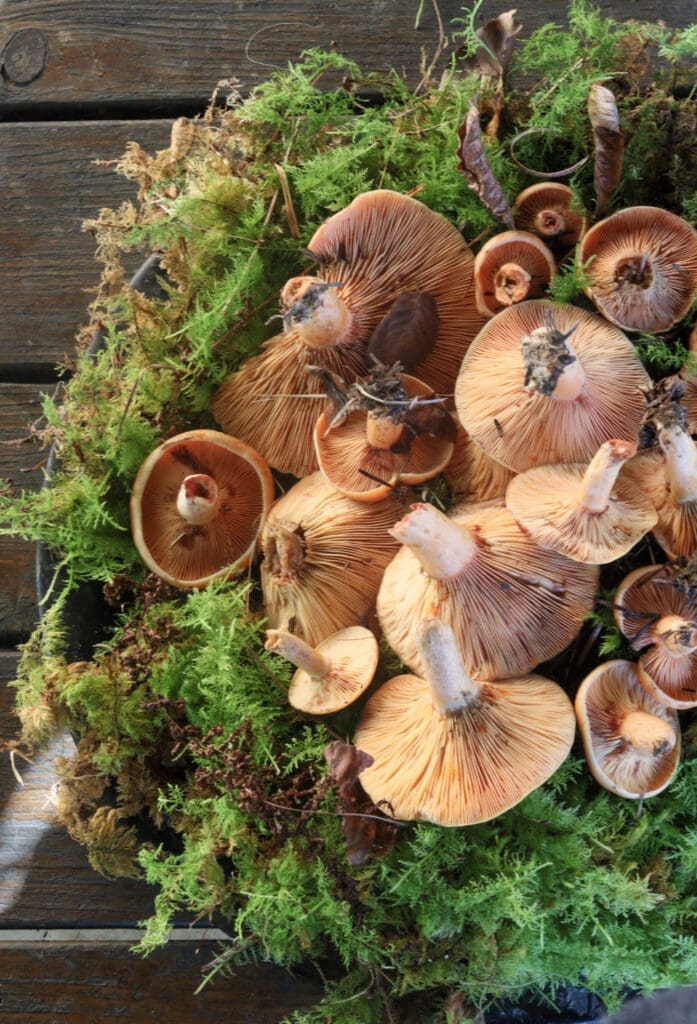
column 477, row 170
column 497, row 36
column 609, row 143
column 365, row 832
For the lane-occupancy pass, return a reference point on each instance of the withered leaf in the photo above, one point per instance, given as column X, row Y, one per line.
column 497, row 36
column 365, row 837
column 477, row 170
column 609, row 143
column 407, row 332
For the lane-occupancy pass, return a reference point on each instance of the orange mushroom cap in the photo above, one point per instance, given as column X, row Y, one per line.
column 454, row 750
column 471, row 474
column 643, row 270
column 632, row 741
column 584, row 511
column 545, row 210
column 198, row 504
column 509, row 268
column 510, row 603
column 548, row 383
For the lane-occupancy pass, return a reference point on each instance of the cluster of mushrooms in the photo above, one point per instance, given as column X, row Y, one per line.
column 403, row 358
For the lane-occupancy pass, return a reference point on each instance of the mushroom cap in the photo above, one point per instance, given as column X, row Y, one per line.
column 544, row 501
column 354, row 466
column 498, row 266
column 545, row 210
column 643, row 270
column 676, row 526
column 378, row 247
column 471, row 474
column 324, row 556
column 512, row 606
column 469, row 766
column 605, row 698
column 645, row 602
column 353, row 653
column 186, row 554
column 522, row 428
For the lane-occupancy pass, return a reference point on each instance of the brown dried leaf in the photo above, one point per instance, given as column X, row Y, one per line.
column 367, row 834
column 609, row 143
column 407, row 332
column 477, row 170
column 497, row 36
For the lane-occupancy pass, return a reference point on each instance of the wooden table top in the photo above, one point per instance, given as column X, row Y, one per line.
column 78, row 79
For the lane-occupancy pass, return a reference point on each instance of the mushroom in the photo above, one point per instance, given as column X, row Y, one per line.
column 545, row 209
column 642, row 273
column 510, row 267
column 324, row 556
column 455, row 750
column 471, row 474
column 382, row 245
column 659, row 618
column 390, row 429
column 332, row 675
column 547, row 383
column 632, row 741
column 585, row 512
column 510, row 603
column 198, row 503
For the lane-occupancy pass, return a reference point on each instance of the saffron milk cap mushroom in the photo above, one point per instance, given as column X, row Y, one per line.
column 511, row 267
column 453, row 749
column 548, row 383
column 197, row 506
column 332, row 675
column 546, row 209
column 471, row 474
column 632, row 740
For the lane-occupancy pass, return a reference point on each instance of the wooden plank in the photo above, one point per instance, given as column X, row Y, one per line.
column 49, row 984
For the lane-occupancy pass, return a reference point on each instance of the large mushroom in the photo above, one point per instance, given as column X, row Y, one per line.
column 641, row 265
column 198, row 504
column 456, row 750
column 632, row 740
column 546, row 209
column 511, row 267
column 510, row 603
column 549, row 383
column 382, row 245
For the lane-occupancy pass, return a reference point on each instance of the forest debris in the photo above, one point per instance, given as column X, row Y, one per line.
column 609, row 143
column 490, row 60
column 366, row 833
column 477, row 170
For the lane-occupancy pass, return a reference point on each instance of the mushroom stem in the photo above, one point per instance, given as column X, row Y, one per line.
column 511, row 284
column 681, row 462
column 316, row 311
column 601, row 475
column 678, row 636
column 648, row 735
column 452, row 690
column 198, row 499
column 286, row 553
column 549, row 223
column 298, row 652
column 443, row 547
column 551, row 365
column 382, row 432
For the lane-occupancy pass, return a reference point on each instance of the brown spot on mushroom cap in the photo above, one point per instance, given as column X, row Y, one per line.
column 547, row 503
column 471, row 763
column 189, row 554
column 545, row 209
column 643, row 270
column 648, row 608
column 510, row 603
column 604, row 700
column 510, row 267
column 522, row 427
column 324, row 556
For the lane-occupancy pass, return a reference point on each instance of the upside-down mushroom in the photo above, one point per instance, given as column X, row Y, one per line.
column 453, row 749
column 641, row 268
column 332, row 675
column 382, row 245
column 548, row 383
column 660, row 619
column 198, row 504
column 511, row 267
column 545, row 209
column 323, row 558
column 471, row 474
column 632, row 741
column 584, row 511
column 510, row 603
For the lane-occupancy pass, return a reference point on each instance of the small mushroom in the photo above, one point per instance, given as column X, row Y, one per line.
column 632, row 741
column 456, row 750
column 545, row 209
column 585, row 512
column 642, row 268
column 332, row 675
column 660, row 619
column 509, row 268
column 548, row 383
column 198, row 504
